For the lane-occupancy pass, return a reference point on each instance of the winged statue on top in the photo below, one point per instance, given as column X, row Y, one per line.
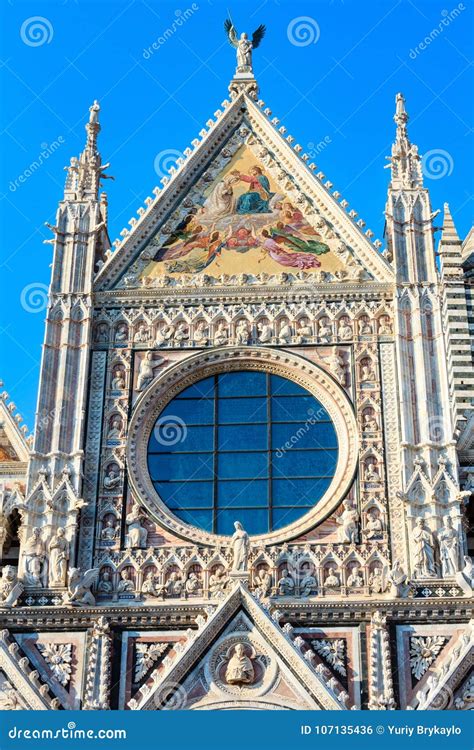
column 243, row 45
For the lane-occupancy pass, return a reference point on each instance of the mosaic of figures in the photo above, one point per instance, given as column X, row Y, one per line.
column 243, row 222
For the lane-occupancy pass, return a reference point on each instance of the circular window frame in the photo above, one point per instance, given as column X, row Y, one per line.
column 189, row 371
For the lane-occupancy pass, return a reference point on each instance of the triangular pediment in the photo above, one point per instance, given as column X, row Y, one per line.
column 240, row 657
column 243, row 205
column 13, row 441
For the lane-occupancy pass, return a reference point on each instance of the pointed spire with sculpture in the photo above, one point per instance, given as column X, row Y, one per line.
column 84, row 174
column 405, row 161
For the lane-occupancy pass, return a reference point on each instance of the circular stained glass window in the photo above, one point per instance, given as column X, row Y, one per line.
column 242, row 446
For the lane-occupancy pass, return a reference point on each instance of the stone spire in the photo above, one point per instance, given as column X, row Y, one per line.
column 84, row 174
column 405, row 161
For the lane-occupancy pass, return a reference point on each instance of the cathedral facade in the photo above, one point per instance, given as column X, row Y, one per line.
column 250, row 478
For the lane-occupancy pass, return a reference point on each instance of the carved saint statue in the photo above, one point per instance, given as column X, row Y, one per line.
column 398, row 580
column 355, row 579
column 448, row 540
column 58, row 557
column 218, row 581
column 308, row 583
column 10, row 587
column 240, row 547
column 147, row 366
column 136, row 533
column 424, row 550
column 286, row 584
column 263, row 582
column 35, row 560
column 332, row 579
column 240, row 669
column 348, row 521
column 244, row 45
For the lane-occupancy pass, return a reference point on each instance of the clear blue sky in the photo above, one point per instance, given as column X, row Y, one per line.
column 341, row 88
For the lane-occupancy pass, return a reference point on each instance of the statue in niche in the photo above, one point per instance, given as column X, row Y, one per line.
column 102, row 334
column 355, row 580
column 181, row 333
column 398, row 581
column 115, row 431
column 348, row 523
column 118, row 379
column 308, row 583
column 423, row 550
column 367, row 372
column 125, row 584
column 142, row 334
column 240, row 669
column 146, row 369
column 384, row 327
column 332, row 579
column 174, row 585
column 263, row 582
column 376, row 581
column 325, row 332
column 10, row 587
column 58, row 558
column 218, row 581
column 240, row 548
column 109, row 532
column 105, row 585
column 201, row 334
column 112, row 478
column 121, row 333
column 374, row 525
column 285, row 333
column 192, row 584
column 242, row 332
column 304, row 329
column 448, row 540
column 136, row 533
column 345, row 330
column 36, row 562
column 365, row 328
column 371, row 471
column 163, row 335
column 221, row 335
column 286, row 584
column 265, row 332
column 370, row 423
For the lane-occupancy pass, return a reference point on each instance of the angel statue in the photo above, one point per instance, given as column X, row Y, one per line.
column 244, row 45
column 79, row 587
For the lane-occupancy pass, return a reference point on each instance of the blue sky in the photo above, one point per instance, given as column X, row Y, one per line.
column 330, row 77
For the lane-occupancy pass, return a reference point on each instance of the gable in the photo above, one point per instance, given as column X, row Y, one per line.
column 243, row 202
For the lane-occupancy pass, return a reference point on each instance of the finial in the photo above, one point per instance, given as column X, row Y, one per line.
column 400, row 111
